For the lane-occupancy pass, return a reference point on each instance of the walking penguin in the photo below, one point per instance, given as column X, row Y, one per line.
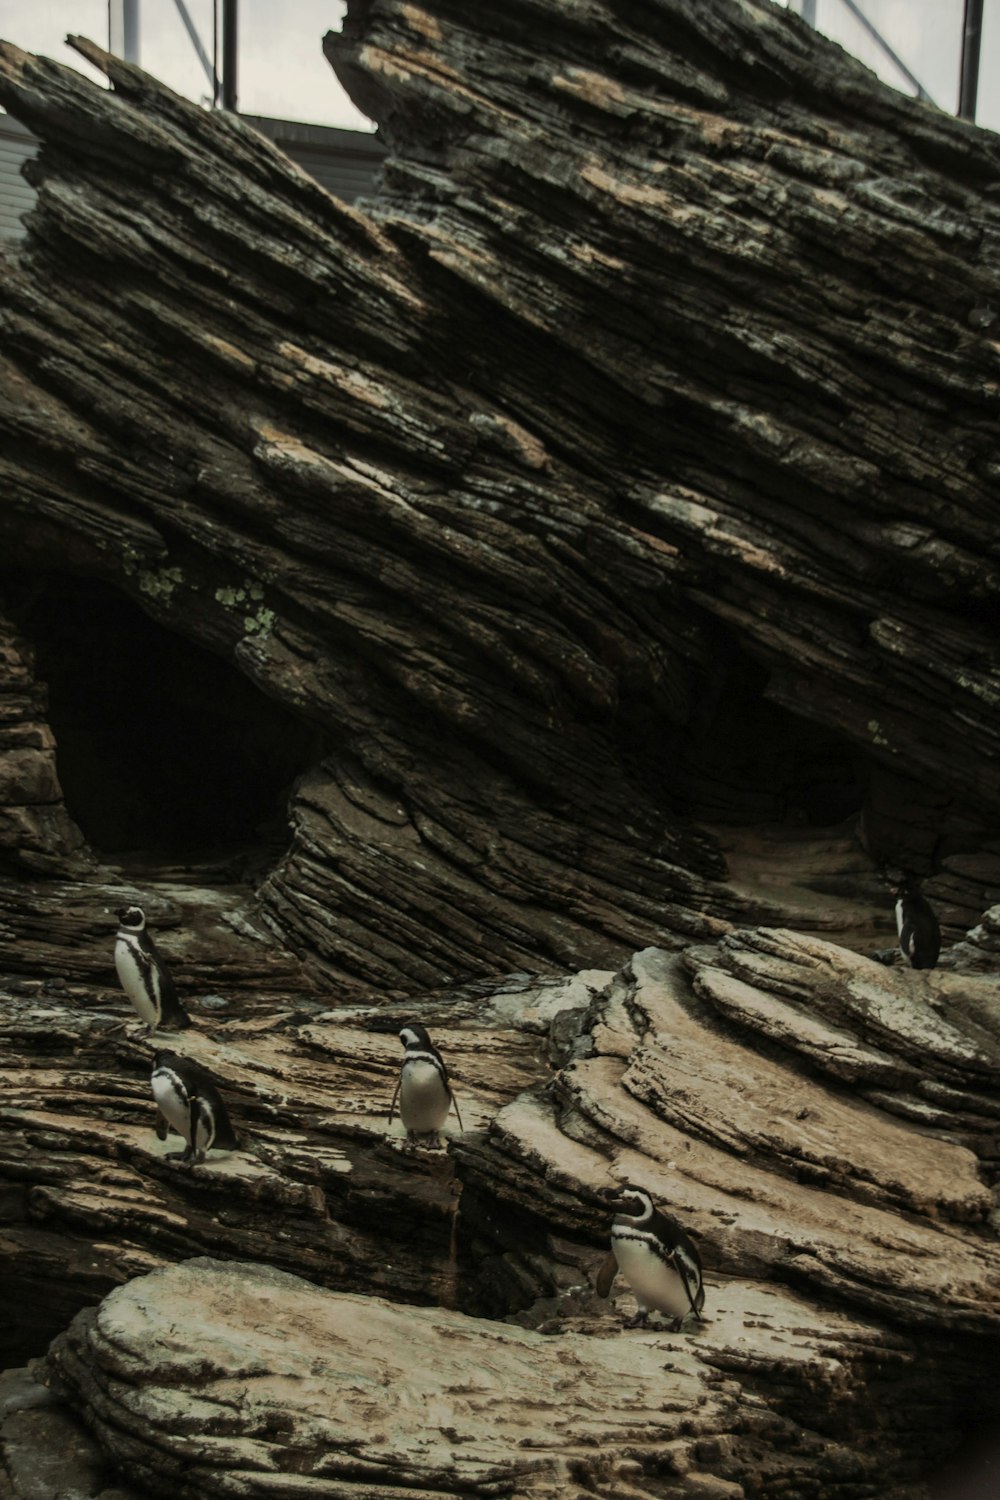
column 919, row 933
column 652, row 1251
column 144, row 976
column 187, row 1098
column 424, row 1092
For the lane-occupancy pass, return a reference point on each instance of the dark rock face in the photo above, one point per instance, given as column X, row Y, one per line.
column 48, row 1454
column 627, row 461
column 36, row 833
column 160, row 745
column 603, row 515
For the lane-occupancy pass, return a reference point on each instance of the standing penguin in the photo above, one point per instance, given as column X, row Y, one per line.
column 187, row 1098
column 661, row 1264
column 143, row 974
column 919, row 933
column 424, row 1093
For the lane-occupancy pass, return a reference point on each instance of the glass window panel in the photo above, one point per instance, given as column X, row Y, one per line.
column 281, row 70
column 988, row 104
column 926, row 36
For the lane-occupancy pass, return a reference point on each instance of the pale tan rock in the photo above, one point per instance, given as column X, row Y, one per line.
column 840, row 1239
column 289, row 1389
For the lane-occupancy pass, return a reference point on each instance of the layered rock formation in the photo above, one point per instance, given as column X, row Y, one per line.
column 603, row 520
column 626, row 466
column 824, row 1126
column 346, row 1395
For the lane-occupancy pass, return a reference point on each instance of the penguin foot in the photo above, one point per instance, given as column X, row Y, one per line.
column 638, row 1320
column 676, row 1324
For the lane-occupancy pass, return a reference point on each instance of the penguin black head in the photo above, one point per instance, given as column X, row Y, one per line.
column 630, row 1202
column 132, row 918
column 414, row 1035
column 164, row 1059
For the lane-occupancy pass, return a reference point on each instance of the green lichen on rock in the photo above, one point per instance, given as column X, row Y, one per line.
column 231, row 598
column 248, row 593
column 260, row 623
column 161, row 583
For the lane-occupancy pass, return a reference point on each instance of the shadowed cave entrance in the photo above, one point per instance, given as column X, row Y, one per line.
column 792, row 803
column 747, row 760
column 162, row 747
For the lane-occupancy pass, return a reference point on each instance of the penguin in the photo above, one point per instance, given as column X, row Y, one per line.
column 919, row 933
column 143, row 974
column 424, row 1093
column 188, row 1100
column 652, row 1251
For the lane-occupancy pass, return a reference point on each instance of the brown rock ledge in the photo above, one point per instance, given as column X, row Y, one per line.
column 824, row 1126
column 239, row 1380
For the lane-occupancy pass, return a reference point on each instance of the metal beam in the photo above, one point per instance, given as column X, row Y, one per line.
column 230, row 52
column 130, row 30
column 972, row 40
column 123, row 29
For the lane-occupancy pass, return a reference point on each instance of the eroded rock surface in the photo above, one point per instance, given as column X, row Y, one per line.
column 852, row 1260
column 624, row 469
column 696, row 542
column 340, row 1394
column 46, row 1452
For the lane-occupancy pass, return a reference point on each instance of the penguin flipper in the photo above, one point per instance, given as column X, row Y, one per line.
column 144, row 963
column 172, row 1012
column 223, row 1137
column 606, row 1275
column 687, row 1274
column 454, row 1105
column 395, row 1096
column 162, row 1128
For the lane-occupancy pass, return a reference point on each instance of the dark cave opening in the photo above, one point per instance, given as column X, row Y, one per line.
column 161, row 746
column 748, row 760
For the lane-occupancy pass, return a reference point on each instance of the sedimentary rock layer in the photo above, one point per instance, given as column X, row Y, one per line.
column 630, row 454
column 823, row 1126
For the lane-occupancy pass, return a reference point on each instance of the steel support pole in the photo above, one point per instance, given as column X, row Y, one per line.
column 230, row 18
column 972, row 41
column 123, row 29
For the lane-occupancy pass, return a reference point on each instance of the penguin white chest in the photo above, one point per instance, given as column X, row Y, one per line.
column 172, row 1101
column 139, row 980
column 906, row 930
column 655, row 1284
column 423, row 1097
